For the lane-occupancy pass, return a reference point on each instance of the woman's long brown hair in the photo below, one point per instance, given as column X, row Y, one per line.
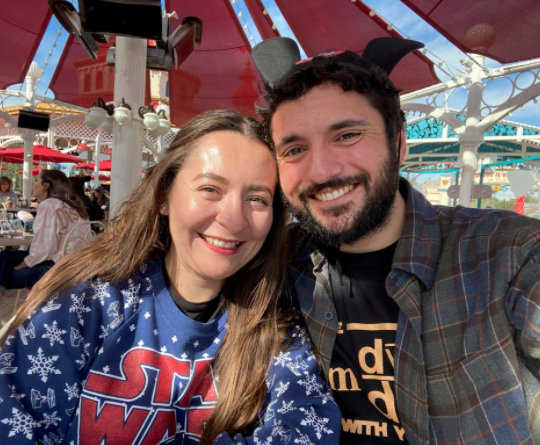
column 258, row 305
column 60, row 188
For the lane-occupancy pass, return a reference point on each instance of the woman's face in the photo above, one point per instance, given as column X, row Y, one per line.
column 39, row 190
column 220, row 206
column 4, row 187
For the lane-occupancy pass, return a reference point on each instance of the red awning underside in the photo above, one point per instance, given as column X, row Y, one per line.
column 500, row 29
column 22, row 25
column 78, row 80
column 219, row 73
column 322, row 25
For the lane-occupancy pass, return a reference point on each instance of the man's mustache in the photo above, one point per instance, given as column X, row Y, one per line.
column 334, row 183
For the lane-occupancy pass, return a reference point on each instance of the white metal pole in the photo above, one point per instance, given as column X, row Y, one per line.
column 129, row 83
column 96, row 159
column 470, row 141
column 28, row 136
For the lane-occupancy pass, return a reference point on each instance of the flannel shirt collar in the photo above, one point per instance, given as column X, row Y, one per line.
column 418, row 248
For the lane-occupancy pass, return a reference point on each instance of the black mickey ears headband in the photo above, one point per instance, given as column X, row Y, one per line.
column 275, row 57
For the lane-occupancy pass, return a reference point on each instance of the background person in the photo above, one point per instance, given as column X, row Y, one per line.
column 182, row 293
column 426, row 318
column 7, row 196
column 93, row 209
column 59, row 211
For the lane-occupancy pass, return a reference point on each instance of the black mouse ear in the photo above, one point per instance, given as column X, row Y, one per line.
column 386, row 52
column 274, row 57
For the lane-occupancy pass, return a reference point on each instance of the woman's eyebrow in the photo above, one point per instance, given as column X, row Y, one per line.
column 212, row 176
column 260, row 188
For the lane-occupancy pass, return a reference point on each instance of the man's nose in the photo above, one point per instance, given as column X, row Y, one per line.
column 325, row 165
column 232, row 214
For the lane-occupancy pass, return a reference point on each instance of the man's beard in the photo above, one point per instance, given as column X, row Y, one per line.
column 371, row 217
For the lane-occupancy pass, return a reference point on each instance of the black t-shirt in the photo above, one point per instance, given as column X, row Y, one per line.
column 203, row 312
column 362, row 366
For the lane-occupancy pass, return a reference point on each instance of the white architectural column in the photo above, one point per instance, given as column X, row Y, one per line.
column 471, row 138
column 29, row 137
column 469, row 159
column 129, row 83
column 96, row 158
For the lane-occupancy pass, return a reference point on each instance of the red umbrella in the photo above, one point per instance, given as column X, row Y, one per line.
column 104, row 166
column 3, row 168
column 102, row 177
column 44, row 154
column 7, row 157
column 35, row 171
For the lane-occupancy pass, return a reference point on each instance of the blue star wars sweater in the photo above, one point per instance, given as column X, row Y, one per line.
column 121, row 364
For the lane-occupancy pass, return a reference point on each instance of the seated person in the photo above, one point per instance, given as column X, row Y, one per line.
column 7, row 196
column 59, row 211
column 176, row 325
column 93, row 209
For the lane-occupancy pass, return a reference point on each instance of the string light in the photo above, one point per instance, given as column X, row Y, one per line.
column 46, row 63
column 245, row 26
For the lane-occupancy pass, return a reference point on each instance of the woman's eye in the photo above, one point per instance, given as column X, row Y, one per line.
column 258, row 201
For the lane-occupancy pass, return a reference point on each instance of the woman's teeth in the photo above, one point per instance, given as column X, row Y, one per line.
column 334, row 195
column 220, row 243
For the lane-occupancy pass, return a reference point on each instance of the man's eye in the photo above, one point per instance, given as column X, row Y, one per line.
column 293, row 151
column 348, row 136
column 208, row 189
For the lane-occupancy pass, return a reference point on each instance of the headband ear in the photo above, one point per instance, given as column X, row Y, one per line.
column 274, row 57
column 386, row 52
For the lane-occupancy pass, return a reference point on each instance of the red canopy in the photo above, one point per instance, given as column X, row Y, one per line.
column 7, row 157
column 35, row 171
column 45, row 154
column 22, row 25
column 104, row 166
column 102, row 177
column 500, row 29
column 322, row 25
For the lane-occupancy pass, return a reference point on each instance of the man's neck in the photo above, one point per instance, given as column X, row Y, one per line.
column 388, row 235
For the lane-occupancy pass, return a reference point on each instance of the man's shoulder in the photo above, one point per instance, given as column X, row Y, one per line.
column 501, row 228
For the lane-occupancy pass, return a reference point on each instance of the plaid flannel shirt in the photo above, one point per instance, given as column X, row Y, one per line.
column 467, row 354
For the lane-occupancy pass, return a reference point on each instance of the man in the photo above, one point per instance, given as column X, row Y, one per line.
column 426, row 318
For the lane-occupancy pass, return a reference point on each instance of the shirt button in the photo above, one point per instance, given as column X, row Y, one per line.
column 329, row 315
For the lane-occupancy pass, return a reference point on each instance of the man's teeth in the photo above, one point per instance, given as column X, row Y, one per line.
column 334, row 195
column 220, row 243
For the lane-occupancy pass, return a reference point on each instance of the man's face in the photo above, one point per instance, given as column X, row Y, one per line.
column 337, row 173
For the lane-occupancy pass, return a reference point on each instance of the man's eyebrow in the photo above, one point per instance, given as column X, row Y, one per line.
column 347, row 123
column 212, row 176
column 287, row 140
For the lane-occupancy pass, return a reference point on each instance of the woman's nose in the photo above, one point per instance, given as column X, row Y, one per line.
column 232, row 214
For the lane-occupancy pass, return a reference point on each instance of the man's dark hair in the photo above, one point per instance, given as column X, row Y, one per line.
column 372, row 83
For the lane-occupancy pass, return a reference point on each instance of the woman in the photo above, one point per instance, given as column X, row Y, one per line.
column 176, row 321
column 6, row 195
column 59, row 211
column 99, row 196
column 93, row 209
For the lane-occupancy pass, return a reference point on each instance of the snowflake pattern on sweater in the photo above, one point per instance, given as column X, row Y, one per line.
column 120, row 364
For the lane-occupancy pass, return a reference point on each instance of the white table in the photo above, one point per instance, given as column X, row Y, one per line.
column 16, row 240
